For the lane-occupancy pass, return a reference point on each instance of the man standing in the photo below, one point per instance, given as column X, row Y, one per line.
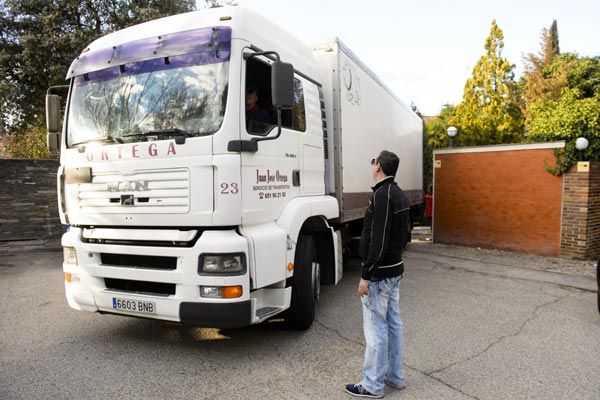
column 381, row 244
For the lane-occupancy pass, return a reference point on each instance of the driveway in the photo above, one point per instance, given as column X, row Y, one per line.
column 476, row 328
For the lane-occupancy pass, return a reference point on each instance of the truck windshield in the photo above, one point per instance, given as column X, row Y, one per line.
column 149, row 100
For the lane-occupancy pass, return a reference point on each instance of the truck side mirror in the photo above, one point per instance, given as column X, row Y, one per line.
column 282, row 85
column 52, row 141
column 53, row 121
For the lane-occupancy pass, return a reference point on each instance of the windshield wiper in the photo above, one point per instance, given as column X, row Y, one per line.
column 180, row 134
column 135, row 135
column 106, row 139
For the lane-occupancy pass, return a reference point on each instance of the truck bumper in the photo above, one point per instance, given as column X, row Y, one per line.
column 168, row 294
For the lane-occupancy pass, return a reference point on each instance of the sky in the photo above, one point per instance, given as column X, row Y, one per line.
column 425, row 50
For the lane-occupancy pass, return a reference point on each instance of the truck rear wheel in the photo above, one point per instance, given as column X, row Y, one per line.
column 305, row 285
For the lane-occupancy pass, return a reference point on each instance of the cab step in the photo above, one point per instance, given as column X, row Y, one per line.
column 267, row 311
column 270, row 301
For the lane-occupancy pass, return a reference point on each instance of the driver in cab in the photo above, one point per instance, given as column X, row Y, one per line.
column 254, row 112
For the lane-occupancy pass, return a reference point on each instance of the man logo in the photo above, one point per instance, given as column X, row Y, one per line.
column 127, row 186
column 127, row 199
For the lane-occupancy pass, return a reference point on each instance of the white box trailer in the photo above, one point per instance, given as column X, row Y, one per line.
column 366, row 117
column 207, row 182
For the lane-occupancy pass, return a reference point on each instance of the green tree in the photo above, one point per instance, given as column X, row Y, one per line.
column 437, row 127
column 575, row 113
column 38, row 41
column 490, row 112
column 218, row 3
column 427, row 151
column 40, row 38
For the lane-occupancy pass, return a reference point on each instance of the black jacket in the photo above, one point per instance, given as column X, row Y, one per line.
column 384, row 231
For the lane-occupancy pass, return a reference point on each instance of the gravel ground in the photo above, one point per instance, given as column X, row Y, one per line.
column 422, row 243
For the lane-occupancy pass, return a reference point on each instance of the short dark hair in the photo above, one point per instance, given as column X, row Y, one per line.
column 389, row 162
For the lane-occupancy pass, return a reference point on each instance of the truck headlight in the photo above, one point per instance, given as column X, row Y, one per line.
column 222, row 264
column 69, row 255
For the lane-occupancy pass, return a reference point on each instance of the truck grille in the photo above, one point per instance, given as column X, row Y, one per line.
column 136, row 261
column 147, row 191
column 155, row 288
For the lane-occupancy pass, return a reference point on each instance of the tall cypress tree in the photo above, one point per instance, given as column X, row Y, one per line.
column 551, row 48
column 543, row 78
column 490, row 112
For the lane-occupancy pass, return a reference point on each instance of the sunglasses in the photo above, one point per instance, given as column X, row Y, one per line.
column 374, row 161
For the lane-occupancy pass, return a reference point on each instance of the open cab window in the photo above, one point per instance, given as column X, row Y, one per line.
column 261, row 117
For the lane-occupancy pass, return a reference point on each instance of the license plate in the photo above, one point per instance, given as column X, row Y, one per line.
column 137, row 306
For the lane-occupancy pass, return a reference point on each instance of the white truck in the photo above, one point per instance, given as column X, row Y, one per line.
column 185, row 203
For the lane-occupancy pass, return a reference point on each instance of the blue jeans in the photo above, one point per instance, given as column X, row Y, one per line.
column 384, row 336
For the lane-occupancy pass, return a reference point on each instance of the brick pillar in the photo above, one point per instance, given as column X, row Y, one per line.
column 594, row 212
column 580, row 232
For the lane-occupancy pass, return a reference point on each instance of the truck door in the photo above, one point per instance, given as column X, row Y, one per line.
column 312, row 153
column 270, row 175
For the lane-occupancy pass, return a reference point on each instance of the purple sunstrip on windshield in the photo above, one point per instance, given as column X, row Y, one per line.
column 214, row 41
column 155, row 65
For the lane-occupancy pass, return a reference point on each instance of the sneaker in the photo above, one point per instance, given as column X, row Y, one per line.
column 390, row 384
column 356, row 389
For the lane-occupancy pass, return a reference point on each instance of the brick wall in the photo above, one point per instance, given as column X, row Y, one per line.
column 28, row 204
column 497, row 197
column 580, row 236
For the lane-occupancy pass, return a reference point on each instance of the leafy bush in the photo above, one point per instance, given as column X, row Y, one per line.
column 29, row 144
column 576, row 113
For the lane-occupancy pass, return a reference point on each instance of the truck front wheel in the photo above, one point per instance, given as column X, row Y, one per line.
column 305, row 285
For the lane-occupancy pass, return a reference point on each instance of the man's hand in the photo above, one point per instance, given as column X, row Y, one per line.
column 363, row 287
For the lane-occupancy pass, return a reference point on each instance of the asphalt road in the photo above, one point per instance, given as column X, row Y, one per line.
column 474, row 330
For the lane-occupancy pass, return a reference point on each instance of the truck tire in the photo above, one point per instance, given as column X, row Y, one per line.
column 305, row 285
